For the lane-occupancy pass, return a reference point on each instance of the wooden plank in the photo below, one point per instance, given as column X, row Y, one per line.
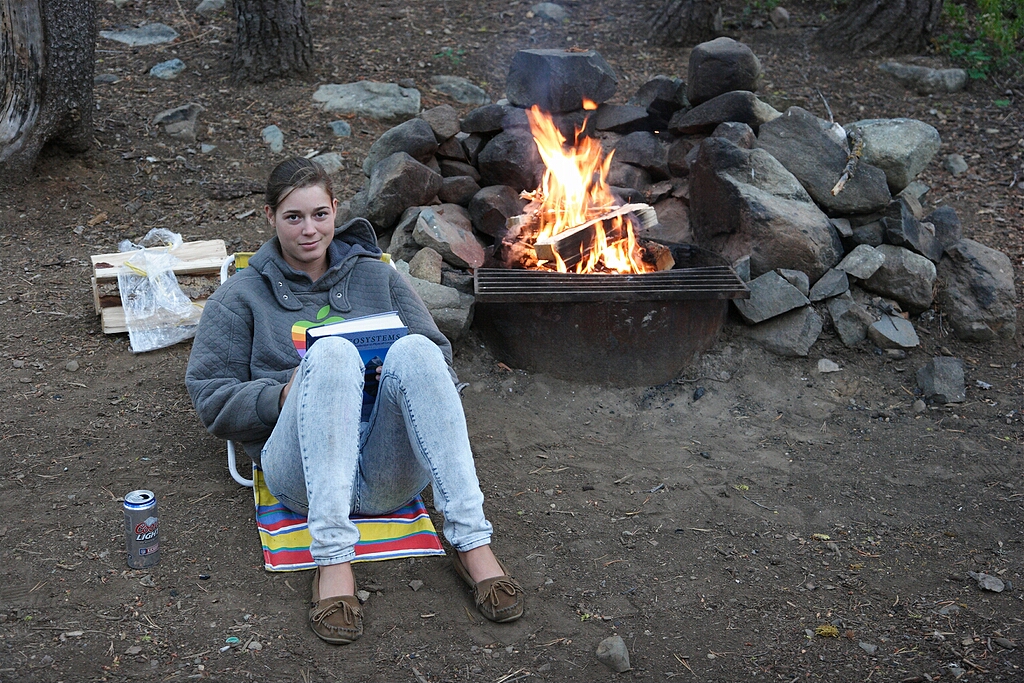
column 573, row 245
column 187, row 251
column 112, row 319
column 193, row 267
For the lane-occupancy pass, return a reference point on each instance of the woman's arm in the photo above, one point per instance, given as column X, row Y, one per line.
column 230, row 404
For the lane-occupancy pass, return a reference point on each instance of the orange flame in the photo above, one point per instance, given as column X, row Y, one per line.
column 573, row 192
column 589, row 105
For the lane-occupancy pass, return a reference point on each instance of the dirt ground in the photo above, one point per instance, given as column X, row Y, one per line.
column 714, row 535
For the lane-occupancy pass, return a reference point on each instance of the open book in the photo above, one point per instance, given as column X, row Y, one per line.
column 372, row 335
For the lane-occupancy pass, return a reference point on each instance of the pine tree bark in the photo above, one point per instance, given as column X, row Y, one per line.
column 683, row 22
column 47, row 56
column 882, row 26
column 272, row 39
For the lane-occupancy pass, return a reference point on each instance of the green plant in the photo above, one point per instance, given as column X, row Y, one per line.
column 454, row 55
column 987, row 40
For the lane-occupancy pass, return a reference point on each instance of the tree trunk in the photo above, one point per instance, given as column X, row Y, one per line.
column 47, row 50
column 882, row 26
column 683, row 22
column 272, row 39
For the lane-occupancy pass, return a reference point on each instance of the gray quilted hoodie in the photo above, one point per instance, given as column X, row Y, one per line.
column 243, row 353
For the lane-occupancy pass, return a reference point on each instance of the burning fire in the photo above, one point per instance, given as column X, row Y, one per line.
column 573, row 193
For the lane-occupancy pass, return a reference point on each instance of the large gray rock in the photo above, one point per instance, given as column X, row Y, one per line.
column 903, row 229
column 644, row 150
column 559, row 80
column 486, row 119
column 332, row 162
column 451, row 310
column 633, row 179
column 800, row 143
column 612, row 653
column 452, row 149
column 459, row 89
column 790, row 334
column 491, row 208
column 622, row 118
column 381, row 101
column 458, row 189
column 739, row 105
column 745, row 202
column 740, row 134
column 720, row 66
column 511, row 158
column 796, row 278
column 900, row 147
column 833, row 283
column 415, row 137
column 447, row 230
column 169, row 70
column 673, row 223
column 180, row 122
column 398, row 182
column 402, row 246
column 850, row 319
column 770, row 295
column 907, row 277
column 977, row 292
column 443, row 120
column 426, row 265
column 550, row 11
column 862, row 262
column 451, row 168
column 662, row 96
column 150, row 34
column 208, row 8
column 925, row 80
column 942, row 380
column 948, row 230
column 893, row 332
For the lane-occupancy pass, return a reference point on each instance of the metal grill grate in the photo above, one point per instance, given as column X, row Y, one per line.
column 496, row 285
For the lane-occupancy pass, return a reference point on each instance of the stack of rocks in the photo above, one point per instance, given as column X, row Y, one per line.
column 723, row 170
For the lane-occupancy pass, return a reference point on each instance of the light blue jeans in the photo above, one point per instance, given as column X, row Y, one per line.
column 321, row 461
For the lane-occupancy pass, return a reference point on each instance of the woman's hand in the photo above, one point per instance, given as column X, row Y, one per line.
column 286, row 389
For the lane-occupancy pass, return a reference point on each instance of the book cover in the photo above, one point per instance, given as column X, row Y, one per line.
column 372, row 335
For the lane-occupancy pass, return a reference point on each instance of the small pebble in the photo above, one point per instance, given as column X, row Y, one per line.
column 72, row 366
column 825, row 365
column 612, row 653
column 415, row 584
column 256, row 645
column 919, row 406
column 869, row 648
column 18, row 363
column 362, row 595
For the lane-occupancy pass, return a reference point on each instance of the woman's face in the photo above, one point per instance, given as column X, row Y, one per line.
column 304, row 221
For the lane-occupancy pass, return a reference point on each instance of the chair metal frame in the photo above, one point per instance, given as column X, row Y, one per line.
column 232, row 461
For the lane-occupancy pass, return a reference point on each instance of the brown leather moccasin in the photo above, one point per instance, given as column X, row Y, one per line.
column 337, row 620
column 499, row 599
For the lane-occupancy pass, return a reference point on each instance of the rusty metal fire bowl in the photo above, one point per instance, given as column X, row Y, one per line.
column 622, row 330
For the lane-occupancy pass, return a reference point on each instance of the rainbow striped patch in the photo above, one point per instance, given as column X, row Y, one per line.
column 406, row 532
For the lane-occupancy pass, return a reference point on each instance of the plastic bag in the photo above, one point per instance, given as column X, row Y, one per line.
column 157, row 313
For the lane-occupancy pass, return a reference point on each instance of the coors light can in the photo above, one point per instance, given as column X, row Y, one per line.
column 141, row 532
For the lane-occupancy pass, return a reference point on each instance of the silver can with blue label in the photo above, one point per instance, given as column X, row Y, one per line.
column 141, row 529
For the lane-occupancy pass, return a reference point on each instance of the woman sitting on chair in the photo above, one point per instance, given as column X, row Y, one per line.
column 299, row 416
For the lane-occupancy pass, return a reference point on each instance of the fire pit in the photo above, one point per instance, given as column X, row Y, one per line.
column 624, row 330
column 583, row 297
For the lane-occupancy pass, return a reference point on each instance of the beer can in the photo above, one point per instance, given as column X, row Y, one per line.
column 141, row 532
